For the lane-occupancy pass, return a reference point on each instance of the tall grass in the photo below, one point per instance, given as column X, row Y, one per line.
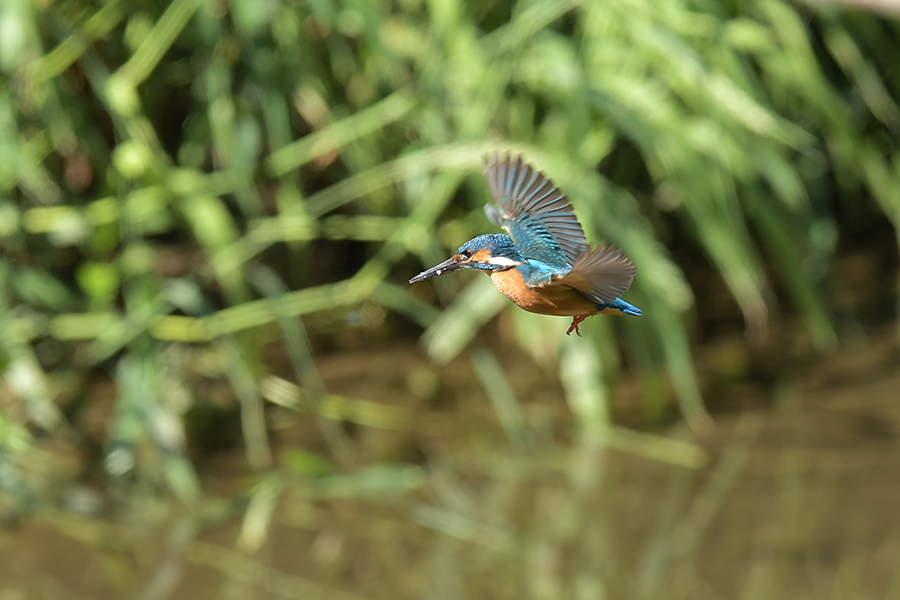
column 184, row 183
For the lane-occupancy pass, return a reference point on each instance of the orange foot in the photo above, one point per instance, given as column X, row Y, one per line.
column 574, row 325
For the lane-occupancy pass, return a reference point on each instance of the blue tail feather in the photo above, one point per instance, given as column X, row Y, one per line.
column 624, row 307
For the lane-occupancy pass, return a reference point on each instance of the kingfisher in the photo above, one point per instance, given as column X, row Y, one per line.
column 545, row 264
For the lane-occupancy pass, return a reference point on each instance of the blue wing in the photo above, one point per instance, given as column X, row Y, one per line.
column 536, row 215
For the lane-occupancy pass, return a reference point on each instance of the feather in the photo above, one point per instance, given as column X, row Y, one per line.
column 537, row 216
column 602, row 275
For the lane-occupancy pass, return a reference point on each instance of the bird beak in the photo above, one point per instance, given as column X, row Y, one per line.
column 451, row 264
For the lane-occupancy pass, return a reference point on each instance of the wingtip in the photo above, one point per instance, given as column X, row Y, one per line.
column 496, row 158
column 500, row 159
column 493, row 215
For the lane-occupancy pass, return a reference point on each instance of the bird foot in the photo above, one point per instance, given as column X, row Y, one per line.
column 574, row 325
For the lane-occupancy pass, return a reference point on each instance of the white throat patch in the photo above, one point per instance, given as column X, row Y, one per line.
column 502, row 261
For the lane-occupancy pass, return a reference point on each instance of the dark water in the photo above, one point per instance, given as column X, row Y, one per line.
column 796, row 496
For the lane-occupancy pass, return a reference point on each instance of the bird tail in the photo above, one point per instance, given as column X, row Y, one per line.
column 623, row 307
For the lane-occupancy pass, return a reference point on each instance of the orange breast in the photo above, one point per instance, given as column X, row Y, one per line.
column 558, row 299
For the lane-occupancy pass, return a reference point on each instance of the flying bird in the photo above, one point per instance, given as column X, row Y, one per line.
column 544, row 265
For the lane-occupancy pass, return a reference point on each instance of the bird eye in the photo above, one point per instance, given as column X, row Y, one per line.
column 466, row 253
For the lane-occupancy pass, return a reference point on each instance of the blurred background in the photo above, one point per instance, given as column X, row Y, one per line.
column 218, row 384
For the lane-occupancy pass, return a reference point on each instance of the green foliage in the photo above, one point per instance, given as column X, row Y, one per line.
column 181, row 182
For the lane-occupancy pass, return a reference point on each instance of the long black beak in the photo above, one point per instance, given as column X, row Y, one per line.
column 445, row 267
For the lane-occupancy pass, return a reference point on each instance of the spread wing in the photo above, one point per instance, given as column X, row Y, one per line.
column 602, row 275
column 536, row 215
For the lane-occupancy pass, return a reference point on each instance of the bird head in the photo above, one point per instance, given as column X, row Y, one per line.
column 490, row 252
